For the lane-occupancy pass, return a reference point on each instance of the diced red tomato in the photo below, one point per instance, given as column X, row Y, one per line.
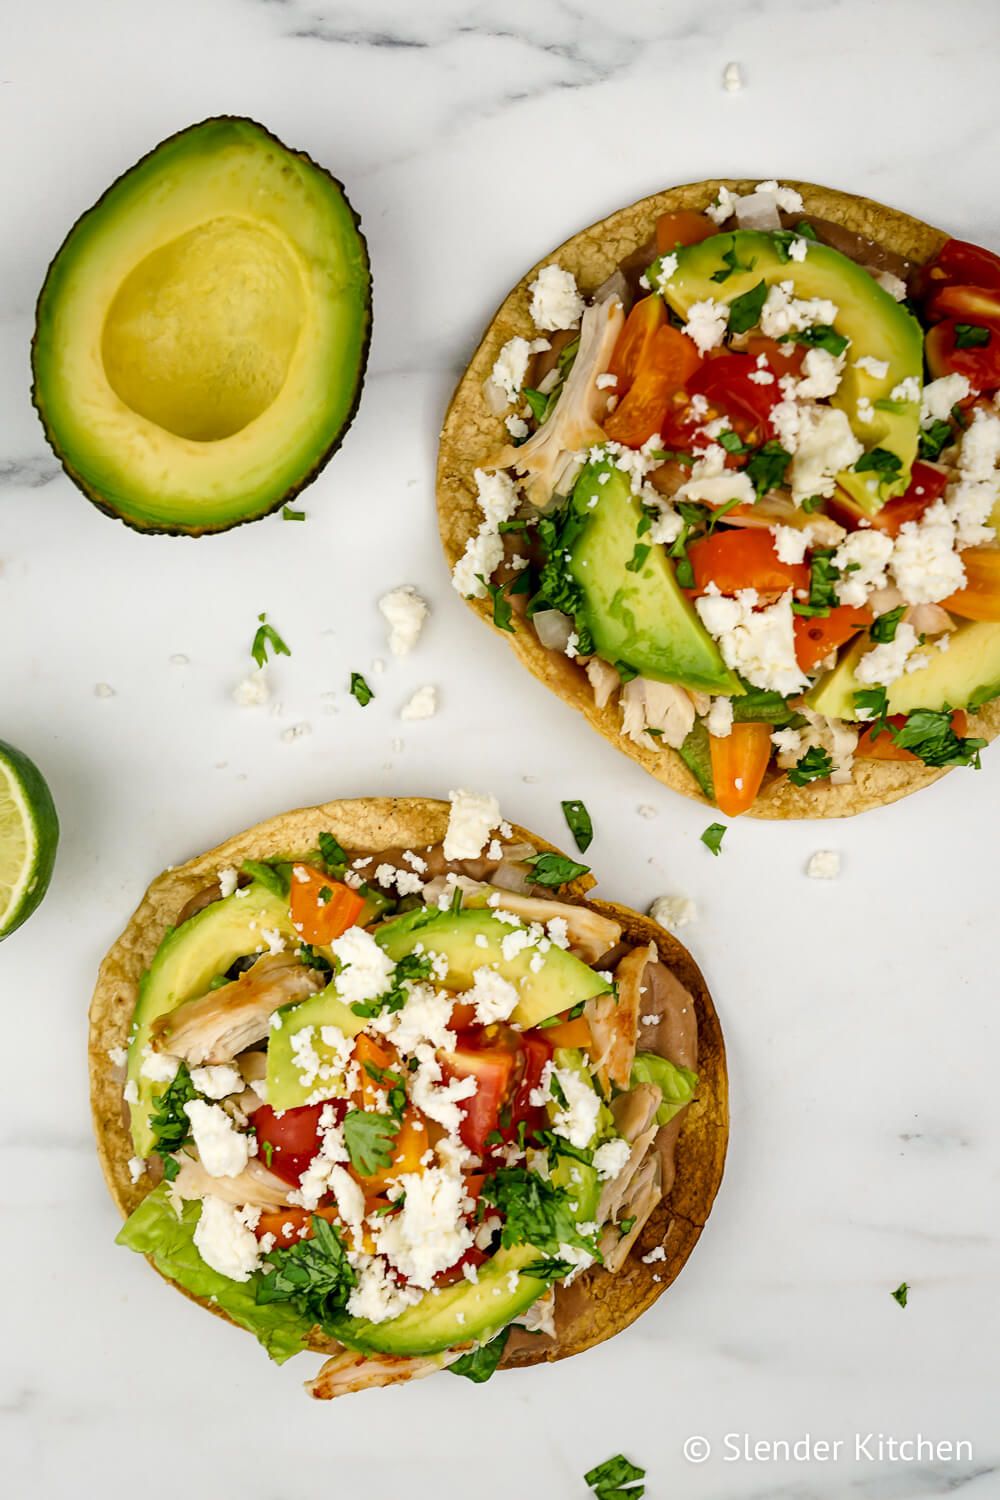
column 739, row 760
column 317, row 916
column 571, row 1034
column 980, row 598
column 293, row 1138
column 726, row 384
column 980, row 364
column 646, row 317
column 743, row 559
column 685, row 227
column 967, row 304
column 927, row 484
column 782, row 359
column 536, row 1050
column 669, row 359
column 958, row 263
column 817, row 635
column 885, row 747
column 490, row 1056
column 472, row 1257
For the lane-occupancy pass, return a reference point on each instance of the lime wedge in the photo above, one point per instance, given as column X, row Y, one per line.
column 29, row 835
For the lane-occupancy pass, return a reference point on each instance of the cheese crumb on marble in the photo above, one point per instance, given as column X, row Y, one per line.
column 420, row 705
column 404, row 611
column 823, row 865
column 672, row 912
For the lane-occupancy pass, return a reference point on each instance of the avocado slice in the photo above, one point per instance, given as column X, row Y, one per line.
column 949, row 680
column 560, row 981
column 876, row 324
column 639, row 617
column 186, row 962
column 202, row 333
column 285, row 1088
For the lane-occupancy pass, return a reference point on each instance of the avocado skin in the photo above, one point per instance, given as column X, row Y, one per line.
column 38, row 401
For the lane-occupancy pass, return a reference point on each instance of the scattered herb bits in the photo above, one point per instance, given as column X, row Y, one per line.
column 267, row 636
column 901, row 1293
column 360, row 689
column 579, row 823
column 713, row 836
column 616, row 1479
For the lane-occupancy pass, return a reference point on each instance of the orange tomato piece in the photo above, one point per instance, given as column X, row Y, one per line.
column 685, row 227
column 817, row 635
column 743, row 558
column 322, row 908
column 668, row 361
column 574, row 1033
column 739, row 761
column 980, row 598
column 640, row 325
column 885, row 747
column 370, row 1093
column 412, row 1140
column 783, row 359
column 287, row 1224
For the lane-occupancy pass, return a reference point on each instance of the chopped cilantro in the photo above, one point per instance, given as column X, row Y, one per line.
column 369, row 1138
column 823, row 576
column 901, row 1293
column 766, row 468
column 713, row 836
column 625, row 1226
column 731, row 263
column 879, row 461
column 287, row 514
column 819, row 336
column 554, row 869
column 267, row 875
column 971, row 336
column 502, row 611
column 360, row 689
column 884, row 627
column 538, row 402
column 815, row 765
column 872, row 707
column 535, row 1212
column 744, row 311
column 314, row 1275
column 548, row 1270
column 929, row 734
column 579, row 823
column 267, row 636
column 480, row 1363
column 616, row 1479
column 625, row 671
column 411, row 966
column 168, row 1121
column 267, row 1151
column 332, row 854
column 639, row 555
column 934, row 438
column 811, row 503
column 732, row 442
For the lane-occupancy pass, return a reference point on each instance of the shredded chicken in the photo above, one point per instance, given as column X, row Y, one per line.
column 545, row 459
column 614, row 1019
column 255, row 1184
column 590, row 934
column 217, row 1026
column 603, row 679
column 350, row 1371
column 663, row 706
column 929, row 619
column 643, row 1193
column 778, row 509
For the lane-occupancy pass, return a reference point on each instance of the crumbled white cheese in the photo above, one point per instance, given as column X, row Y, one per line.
column 420, row 705
column 496, row 496
column 494, row 997
column 706, row 323
column 724, row 206
column 516, row 426
column 732, row 78
column 939, row 396
column 429, row 1233
column 378, row 1296
column 253, row 690
column 925, row 565
column 471, row 820
column 878, row 369
column 783, row 312
column 906, row 390
column 224, row 1151
column 821, row 374
column 224, row 1238
column 719, row 719
column 218, row 1080
column 130, row 1093
column 610, row 1158
column 555, row 301
column 315, row 1181
column 824, row 446
column 118, row 1056
column 673, row 911
column 864, row 411
column 136, row 1168
column 666, row 269
column 423, row 1020
column 798, row 250
column 788, row 743
column 404, row 611
column 228, row 881
column 866, row 554
column 511, row 364
column 884, row 663
column 576, row 1121
column 891, row 284
column 158, row 1067
column 823, row 865
column 788, row 199
column 274, row 940
column 367, row 970
column 606, row 382
column 438, row 1100
column 757, row 643
column 791, row 543
column 658, row 1253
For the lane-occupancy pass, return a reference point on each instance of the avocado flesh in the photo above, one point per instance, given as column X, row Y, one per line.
column 560, row 982
column 642, row 618
column 202, row 332
column 949, row 679
column 876, row 324
column 285, row 1086
column 186, row 962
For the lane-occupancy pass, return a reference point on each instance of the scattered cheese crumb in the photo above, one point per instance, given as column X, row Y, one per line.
column 404, row 611
column 422, row 704
column 673, row 911
column 823, row 865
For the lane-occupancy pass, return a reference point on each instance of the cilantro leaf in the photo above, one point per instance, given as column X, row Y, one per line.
column 332, row 854
column 410, row 966
column 314, row 1275
column 823, row 576
column 502, row 611
column 929, row 734
column 287, row 514
column 901, row 1293
column 766, row 468
column 731, row 263
column 548, row 1270
column 815, row 765
column 819, row 336
column 579, row 823
column 760, row 706
column 639, row 555
column 883, row 627
column 616, row 1479
column 812, row 503
column 732, row 442
column 971, row 336
column 369, row 1138
column 480, row 1363
column 555, row 869
column 744, row 311
column 360, row 689
column 879, row 461
column 267, row 636
column 535, row 1212
column 168, row 1122
column 538, row 402
column 872, row 707
column 934, row 438
column 557, row 589
column 713, row 836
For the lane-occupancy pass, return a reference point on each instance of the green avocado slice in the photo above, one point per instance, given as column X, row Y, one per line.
column 286, row 1088
column 637, row 615
column 470, row 939
column 876, row 324
column 949, row 680
column 202, row 333
column 186, row 962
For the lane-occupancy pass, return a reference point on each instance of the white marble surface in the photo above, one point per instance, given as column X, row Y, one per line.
column 861, row 1015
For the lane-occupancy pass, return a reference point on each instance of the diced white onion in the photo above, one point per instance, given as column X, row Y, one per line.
column 553, row 628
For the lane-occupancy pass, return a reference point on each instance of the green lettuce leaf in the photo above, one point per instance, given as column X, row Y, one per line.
column 155, row 1230
column 676, row 1084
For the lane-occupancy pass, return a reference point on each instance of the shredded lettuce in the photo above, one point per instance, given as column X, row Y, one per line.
column 155, row 1230
column 676, row 1084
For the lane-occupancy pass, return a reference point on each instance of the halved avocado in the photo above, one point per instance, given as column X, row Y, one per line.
column 202, row 333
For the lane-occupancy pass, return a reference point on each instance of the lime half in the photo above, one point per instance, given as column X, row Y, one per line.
column 29, row 835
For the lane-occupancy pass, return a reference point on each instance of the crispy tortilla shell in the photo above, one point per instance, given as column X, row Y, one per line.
column 597, row 1305
column 471, row 434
